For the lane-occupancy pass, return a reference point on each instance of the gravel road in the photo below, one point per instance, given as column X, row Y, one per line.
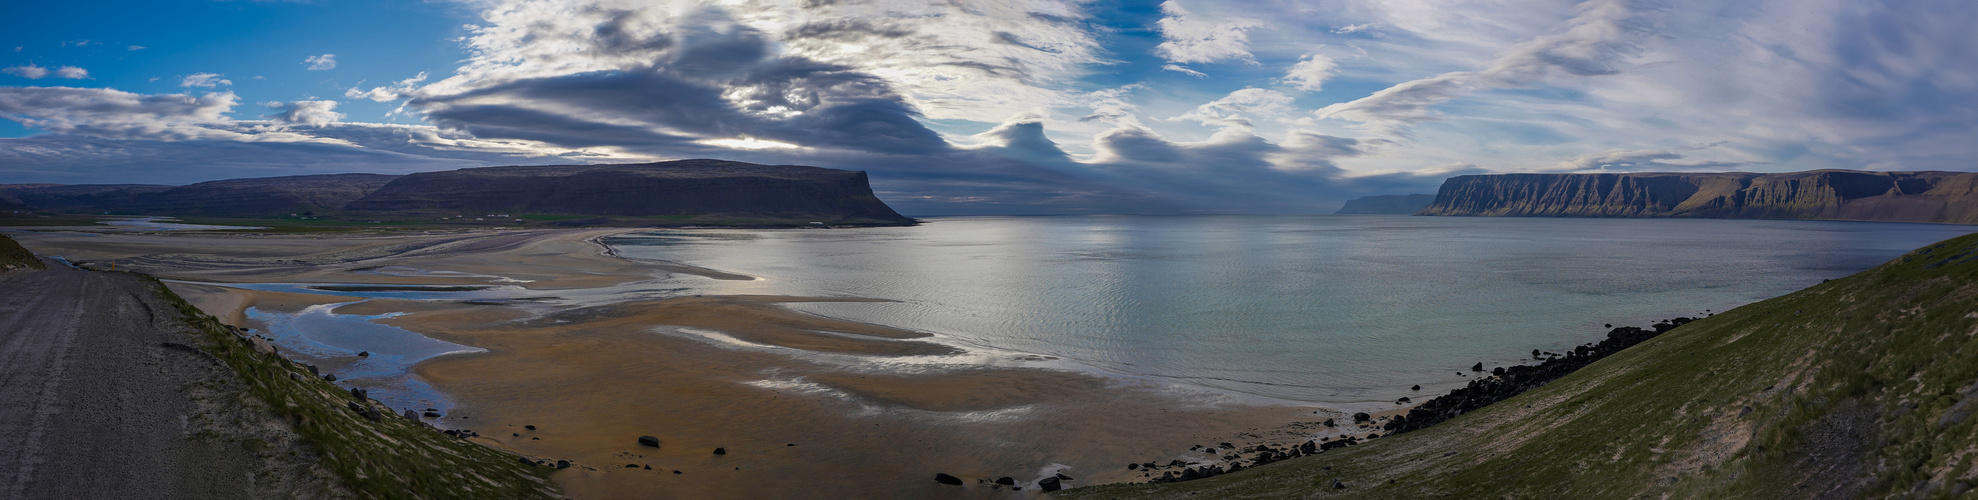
column 102, row 397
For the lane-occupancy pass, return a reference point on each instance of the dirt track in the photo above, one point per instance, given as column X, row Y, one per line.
column 102, row 396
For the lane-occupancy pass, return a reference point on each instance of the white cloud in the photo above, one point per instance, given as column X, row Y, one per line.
column 322, row 62
column 139, row 119
column 1353, row 28
column 1637, row 160
column 1112, row 105
column 1592, row 43
column 1311, row 72
column 29, row 71
column 1239, row 108
column 114, row 113
column 389, row 92
column 33, row 72
column 204, row 80
column 311, row 113
column 1182, row 69
column 136, row 47
column 1189, row 39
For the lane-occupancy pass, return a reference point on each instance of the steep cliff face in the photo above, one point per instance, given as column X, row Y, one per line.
column 668, row 188
column 1400, row 204
column 1947, row 197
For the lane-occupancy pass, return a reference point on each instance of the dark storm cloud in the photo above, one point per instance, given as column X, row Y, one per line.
column 707, row 83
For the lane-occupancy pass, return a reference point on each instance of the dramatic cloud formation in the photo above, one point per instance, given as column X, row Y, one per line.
column 1053, row 106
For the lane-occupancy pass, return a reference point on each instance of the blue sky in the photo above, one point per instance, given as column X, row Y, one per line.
column 1114, row 106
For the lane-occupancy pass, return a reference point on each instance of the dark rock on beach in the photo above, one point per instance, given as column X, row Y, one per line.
column 1049, row 484
column 1506, row 382
column 944, row 478
column 643, row 440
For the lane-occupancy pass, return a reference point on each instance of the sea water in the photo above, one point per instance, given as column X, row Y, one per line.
column 1328, row 310
column 317, row 333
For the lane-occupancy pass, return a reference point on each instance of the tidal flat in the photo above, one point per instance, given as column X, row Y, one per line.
column 863, row 361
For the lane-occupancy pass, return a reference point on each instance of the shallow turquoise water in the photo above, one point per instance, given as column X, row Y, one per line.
column 319, row 335
column 1336, row 310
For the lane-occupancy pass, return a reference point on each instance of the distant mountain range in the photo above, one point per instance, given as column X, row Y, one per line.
column 675, row 188
column 1944, row 197
column 1394, row 204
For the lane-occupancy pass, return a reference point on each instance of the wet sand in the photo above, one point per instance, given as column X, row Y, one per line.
column 871, row 411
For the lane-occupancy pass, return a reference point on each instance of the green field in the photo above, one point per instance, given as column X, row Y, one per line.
column 1859, row 387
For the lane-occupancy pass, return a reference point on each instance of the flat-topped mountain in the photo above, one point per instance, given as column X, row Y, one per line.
column 1947, row 197
column 78, row 197
column 711, row 192
column 232, row 197
column 683, row 187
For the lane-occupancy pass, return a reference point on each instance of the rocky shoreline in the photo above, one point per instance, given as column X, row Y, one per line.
column 1502, row 383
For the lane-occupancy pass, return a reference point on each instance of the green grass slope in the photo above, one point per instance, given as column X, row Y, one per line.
column 12, row 256
column 1862, row 387
column 392, row 457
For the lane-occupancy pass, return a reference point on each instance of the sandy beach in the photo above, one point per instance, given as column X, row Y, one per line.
column 802, row 405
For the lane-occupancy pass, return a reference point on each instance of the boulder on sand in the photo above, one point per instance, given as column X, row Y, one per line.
column 645, row 440
column 944, row 478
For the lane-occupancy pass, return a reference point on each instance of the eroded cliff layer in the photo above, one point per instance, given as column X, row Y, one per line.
column 1946, row 197
column 685, row 187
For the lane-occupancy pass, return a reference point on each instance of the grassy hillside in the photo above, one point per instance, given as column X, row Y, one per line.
column 389, row 457
column 12, row 256
column 1859, row 387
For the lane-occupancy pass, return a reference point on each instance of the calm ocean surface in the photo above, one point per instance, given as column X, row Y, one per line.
column 1336, row 310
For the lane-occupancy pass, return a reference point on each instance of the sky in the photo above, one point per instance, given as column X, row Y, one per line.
column 983, row 107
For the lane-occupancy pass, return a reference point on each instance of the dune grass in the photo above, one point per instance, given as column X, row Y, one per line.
column 12, row 256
